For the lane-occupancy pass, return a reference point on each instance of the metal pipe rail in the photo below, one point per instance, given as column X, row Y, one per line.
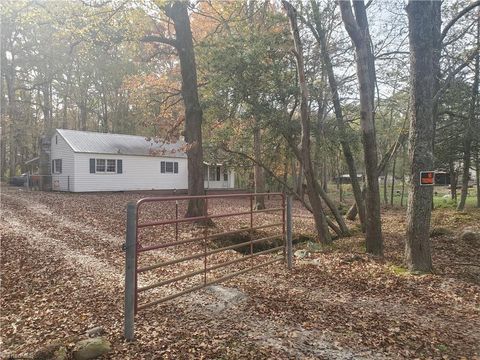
column 134, row 248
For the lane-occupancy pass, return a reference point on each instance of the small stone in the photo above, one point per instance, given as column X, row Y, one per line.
column 96, row 331
column 469, row 235
column 301, row 254
column 91, row 348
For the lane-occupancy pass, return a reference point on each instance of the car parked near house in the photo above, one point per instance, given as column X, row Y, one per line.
column 18, row 180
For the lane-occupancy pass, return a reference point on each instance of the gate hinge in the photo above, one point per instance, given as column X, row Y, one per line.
column 124, row 246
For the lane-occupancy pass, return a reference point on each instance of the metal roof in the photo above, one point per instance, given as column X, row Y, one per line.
column 105, row 143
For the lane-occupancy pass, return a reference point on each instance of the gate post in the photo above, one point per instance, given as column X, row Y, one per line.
column 289, row 232
column 130, row 268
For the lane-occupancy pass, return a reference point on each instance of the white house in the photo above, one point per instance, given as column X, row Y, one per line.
column 85, row 161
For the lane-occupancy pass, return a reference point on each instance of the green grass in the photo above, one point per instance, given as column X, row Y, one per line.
column 399, row 270
column 438, row 200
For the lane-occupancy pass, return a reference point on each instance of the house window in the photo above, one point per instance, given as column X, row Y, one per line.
column 100, row 165
column 169, row 167
column 212, row 176
column 111, row 166
column 57, row 166
column 225, row 176
column 106, row 166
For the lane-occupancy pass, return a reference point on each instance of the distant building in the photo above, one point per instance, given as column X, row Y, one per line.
column 83, row 161
column 442, row 178
column 345, row 179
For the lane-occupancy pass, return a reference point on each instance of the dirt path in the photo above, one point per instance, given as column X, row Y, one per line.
column 61, row 277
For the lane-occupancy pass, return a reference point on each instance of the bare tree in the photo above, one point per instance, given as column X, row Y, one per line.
column 320, row 35
column 469, row 130
column 423, row 32
column 303, row 151
column 183, row 43
column 357, row 28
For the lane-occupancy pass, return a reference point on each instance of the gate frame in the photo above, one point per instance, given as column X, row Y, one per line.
column 132, row 247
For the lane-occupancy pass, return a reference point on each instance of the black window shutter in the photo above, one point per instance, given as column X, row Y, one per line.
column 52, row 170
column 162, row 167
column 175, row 167
column 92, row 166
column 119, row 166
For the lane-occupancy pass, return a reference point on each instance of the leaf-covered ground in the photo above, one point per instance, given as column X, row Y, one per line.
column 62, row 273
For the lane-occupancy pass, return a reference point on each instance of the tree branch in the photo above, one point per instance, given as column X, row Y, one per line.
column 159, row 39
column 330, row 222
column 351, row 24
column 452, row 75
column 457, row 17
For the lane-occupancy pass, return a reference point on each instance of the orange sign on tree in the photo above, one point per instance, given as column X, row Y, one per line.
column 427, row 177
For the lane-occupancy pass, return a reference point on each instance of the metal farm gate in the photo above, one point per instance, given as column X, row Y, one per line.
column 135, row 249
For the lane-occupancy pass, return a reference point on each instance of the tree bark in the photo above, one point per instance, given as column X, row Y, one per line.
column 357, row 28
column 303, row 153
column 47, row 108
column 83, row 114
column 422, row 34
column 336, row 213
column 453, row 180
column 9, row 75
column 385, row 186
column 178, row 12
column 469, row 130
column 477, row 169
column 392, row 191
column 3, row 138
column 347, row 152
column 403, row 177
column 258, row 170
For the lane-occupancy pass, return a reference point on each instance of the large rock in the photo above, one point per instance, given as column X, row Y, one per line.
column 470, row 235
column 54, row 351
column 91, row 348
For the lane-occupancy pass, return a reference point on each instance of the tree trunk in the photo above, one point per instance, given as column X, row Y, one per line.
column 178, row 12
column 477, row 172
column 258, row 170
column 303, row 153
column 331, row 205
column 357, row 29
column 352, row 171
column 422, row 35
column 47, row 108
column 325, row 178
column 453, row 180
column 3, row 139
column 83, row 114
column 385, row 186
column 12, row 118
column 469, row 129
column 392, row 191
column 403, row 177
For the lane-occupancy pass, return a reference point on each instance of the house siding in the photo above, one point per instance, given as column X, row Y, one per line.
column 61, row 150
column 138, row 173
